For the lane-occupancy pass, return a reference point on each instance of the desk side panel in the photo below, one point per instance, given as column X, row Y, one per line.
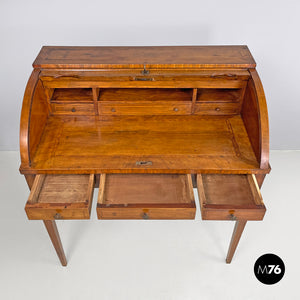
column 34, row 116
column 255, row 117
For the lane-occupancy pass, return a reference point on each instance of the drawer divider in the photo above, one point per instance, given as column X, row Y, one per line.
column 36, row 188
column 255, row 189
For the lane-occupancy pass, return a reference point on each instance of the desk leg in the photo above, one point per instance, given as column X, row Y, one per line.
column 55, row 239
column 237, row 232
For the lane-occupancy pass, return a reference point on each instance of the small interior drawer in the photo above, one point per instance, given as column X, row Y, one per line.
column 217, row 108
column 60, row 197
column 229, row 197
column 145, row 196
column 66, row 108
column 145, row 107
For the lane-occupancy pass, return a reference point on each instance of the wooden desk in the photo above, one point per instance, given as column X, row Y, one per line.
column 145, row 125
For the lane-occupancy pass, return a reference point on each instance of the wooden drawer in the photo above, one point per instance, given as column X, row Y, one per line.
column 144, row 108
column 217, row 108
column 229, row 197
column 65, row 108
column 145, row 196
column 60, row 197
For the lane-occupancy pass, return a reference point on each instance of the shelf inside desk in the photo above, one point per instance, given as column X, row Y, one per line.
column 144, row 144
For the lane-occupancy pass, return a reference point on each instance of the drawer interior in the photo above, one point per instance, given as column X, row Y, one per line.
column 145, row 196
column 229, row 197
column 60, row 197
column 77, row 95
column 220, row 95
column 140, row 94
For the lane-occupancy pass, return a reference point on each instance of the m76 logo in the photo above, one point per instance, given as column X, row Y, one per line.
column 269, row 269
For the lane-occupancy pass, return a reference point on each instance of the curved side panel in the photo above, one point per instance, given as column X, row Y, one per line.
column 255, row 116
column 33, row 118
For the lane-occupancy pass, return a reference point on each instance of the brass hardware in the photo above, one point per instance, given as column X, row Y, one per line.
column 73, row 109
column 175, row 109
column 66, row 76
column 144, row 163
column 217, row 109
column 145, row 72
column 113, row 110
column 57, row 216
column 143, row 79
column 145, row 216
column 232, row 217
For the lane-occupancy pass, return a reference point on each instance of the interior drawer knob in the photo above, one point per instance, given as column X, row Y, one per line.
column 145, row 216
column 113, row 110
column 217, row 109
column 73, row 109
column 175, row 109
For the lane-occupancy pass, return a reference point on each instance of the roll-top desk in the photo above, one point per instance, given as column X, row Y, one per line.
column 145, row 125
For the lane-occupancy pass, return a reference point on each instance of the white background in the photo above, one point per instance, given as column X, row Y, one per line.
column 156, row 259
column 269, row 28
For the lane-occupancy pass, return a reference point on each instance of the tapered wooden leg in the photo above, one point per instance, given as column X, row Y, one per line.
column 55, row 239
column 237, row 232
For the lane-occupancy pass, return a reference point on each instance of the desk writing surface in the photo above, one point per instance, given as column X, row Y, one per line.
column 172, row 143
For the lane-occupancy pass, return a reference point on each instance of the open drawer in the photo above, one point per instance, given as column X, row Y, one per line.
column 229, row 197
column 60, row 197
column 145, row 196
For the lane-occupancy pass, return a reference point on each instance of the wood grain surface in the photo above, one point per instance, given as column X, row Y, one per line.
column 184, row 144
column 229, row 197
column 60, row 197
column 146, row 196
column 137, row 57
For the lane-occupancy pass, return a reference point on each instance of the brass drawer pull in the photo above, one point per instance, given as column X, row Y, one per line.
column 145, row 216
column 144, row 163
column 143, row 79
column 57, row 216
column 232, row 217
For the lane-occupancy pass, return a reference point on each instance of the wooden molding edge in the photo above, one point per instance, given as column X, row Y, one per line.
column 263, row 119
column 25, row 117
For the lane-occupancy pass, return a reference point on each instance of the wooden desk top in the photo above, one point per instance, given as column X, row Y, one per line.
column 158, row 57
